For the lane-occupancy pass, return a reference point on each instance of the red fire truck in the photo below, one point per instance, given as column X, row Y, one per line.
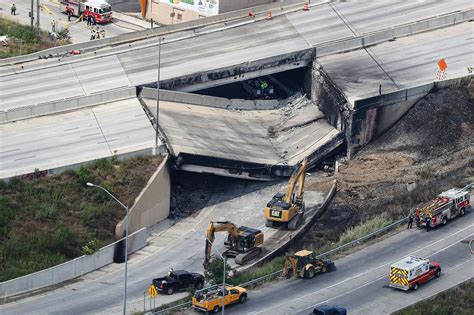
column 99, row 10
column 411, row 272
column 448, row 205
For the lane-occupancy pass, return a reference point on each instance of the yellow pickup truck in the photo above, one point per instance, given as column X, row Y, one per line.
column 210, row 300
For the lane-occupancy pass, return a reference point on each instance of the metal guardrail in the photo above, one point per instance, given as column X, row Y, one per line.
column 278, row 272
column 363, row 239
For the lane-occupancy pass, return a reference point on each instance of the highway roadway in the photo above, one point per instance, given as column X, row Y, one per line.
column 292, row 32
column 78, row 31
column 177, row 246
column 361, row 281
column 402, row 63
column 73, row 137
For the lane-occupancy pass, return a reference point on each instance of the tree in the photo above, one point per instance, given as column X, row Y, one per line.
column 214, row 273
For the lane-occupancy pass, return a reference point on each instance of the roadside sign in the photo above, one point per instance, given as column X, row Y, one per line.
column 442, row 64
column 152, row 291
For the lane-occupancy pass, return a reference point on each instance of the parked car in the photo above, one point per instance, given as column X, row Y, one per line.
column 329, row 310
column 179, row 280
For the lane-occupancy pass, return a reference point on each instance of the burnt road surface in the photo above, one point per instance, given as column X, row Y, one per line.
column 361, row 282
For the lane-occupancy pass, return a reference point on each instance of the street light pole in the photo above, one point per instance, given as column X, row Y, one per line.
column 126, row 242
column 157, row 95
column 224, row 261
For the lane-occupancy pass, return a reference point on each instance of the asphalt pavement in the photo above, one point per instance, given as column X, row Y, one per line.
column 232, row 46
column 78, row 30
column 170, row 245
column 361, row 282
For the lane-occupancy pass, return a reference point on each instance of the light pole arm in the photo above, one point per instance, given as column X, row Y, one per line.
column 118, row 201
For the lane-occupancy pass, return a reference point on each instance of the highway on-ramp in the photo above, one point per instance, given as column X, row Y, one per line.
column 361, row 282
column 177, row 246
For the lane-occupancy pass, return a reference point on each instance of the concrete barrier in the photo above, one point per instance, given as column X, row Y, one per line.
column 346, row 44
column 209, row 101
column 152, row 205
column 40, row 109
column 71, row 269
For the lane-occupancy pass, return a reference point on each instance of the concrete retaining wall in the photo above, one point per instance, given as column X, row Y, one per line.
column 152, row 205
column 40, row 109
column 209, row 101
column 373, row 116
column 71, row 269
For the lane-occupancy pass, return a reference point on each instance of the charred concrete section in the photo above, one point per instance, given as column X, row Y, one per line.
column 240, row 72
column 368, row 118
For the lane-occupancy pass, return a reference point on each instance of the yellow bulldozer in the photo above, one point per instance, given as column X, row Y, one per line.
column 287, row 208
column 304, row 264
column 242, row 242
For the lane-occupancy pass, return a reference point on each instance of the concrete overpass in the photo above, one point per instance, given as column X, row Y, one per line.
column 192, row 60
column 241, row 50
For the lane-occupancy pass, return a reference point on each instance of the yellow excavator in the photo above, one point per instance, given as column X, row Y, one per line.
column 288, row 207
column 242, row 242
column 304, row 264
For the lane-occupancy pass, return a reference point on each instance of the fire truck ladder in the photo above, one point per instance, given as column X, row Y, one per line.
column 428, row 210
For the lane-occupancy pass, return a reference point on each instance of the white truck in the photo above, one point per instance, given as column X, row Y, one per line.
column 411, row 272
column 447, row 205
column 100, row 11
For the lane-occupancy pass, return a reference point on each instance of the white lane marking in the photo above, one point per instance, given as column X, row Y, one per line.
column 373, row 269
column 458, row 266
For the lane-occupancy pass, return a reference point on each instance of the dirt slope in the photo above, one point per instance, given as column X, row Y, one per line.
column 431, row 147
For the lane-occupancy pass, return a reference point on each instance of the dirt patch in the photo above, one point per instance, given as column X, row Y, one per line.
column 429, row 150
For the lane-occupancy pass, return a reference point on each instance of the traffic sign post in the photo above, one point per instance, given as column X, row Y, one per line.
column 152, row 291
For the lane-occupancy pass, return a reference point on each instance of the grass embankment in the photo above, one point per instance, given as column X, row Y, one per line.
column 455, row 301
column 22, row 39
column 49, row 220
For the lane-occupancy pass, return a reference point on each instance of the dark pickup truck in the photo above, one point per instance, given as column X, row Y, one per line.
column 179, row 280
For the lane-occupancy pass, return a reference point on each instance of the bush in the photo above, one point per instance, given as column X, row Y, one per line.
column 91, row 247
column 216, row 268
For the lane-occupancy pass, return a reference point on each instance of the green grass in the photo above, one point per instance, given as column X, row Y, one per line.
column 45, row 221
column 257, row 272
column 363, row 229
column 24, row 39
column 455, row 301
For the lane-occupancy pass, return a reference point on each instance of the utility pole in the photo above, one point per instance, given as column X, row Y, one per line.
column 158, row 95
column 32, row 15
column 37, row 15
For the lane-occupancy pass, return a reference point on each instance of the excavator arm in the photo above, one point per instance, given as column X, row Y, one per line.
column 296, row 177
column 212, row 228
column 289, row 268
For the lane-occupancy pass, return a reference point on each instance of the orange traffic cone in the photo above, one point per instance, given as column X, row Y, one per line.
column 269, row 15
column 305, row 6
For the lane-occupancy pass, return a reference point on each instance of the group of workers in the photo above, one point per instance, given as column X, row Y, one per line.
column 411, row 219
column 97, row 33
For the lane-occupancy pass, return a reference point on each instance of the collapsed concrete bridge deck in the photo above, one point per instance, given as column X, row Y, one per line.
column 238, row 138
